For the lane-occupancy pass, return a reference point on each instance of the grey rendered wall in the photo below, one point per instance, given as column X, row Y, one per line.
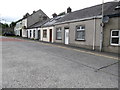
column 111, row 25
column 89, row 29
column 62, row 26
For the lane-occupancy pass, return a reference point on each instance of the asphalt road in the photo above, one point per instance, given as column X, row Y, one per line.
column 31, row 64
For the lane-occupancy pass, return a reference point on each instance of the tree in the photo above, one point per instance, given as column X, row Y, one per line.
column 5, row 25
column 12, row 24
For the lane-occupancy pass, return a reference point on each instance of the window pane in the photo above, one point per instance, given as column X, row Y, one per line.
column 115, row 40
column 78, row 27
column 44, row 33
column 58, row 33
column 115, row 33
column 81, row 35
column 59, row 36
column 82, row 27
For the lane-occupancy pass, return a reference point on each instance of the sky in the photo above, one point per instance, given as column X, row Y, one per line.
column 13, row 10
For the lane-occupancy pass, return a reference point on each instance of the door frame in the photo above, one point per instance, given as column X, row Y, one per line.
column 50, row 35
column 68, row 35
column 34, row 33
column 20, row 32
column 30, row 33
column 39, row 34
column 27, row 33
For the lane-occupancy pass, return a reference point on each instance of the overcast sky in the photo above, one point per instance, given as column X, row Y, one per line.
column 13, row 10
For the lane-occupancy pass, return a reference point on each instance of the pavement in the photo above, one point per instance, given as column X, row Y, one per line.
column 33, row 64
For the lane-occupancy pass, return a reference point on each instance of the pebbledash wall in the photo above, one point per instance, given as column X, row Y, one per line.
column 90, row 36
column 113, row 24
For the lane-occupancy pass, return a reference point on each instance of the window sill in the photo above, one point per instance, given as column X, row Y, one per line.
column 58, row 39
column 115, row 45
column 80, row 40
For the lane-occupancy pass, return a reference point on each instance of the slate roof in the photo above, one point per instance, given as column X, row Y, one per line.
column 109, row 9
column 52, row 21
column 31, row 15
column 38, row 24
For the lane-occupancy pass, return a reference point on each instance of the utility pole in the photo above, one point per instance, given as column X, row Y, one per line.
column 102, row 24
column 0, row 26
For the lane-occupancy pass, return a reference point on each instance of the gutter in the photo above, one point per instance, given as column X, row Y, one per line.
column 76, row 20
column 94, row 33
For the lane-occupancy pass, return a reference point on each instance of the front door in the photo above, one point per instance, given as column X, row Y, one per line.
column 20, row 32
column 50, row 35
column 66, row 36
column 30, row 33
column 33, row 33
column 38, row 34
column 27, row 33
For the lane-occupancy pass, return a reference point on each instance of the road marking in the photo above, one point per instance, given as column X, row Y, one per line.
column 87, row 52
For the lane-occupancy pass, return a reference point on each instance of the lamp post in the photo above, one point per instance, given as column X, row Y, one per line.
column 102, row 24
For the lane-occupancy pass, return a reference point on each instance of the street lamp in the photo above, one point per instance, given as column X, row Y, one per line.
column 102, row 24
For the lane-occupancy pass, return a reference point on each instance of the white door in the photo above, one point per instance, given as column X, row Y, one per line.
column 66, row 36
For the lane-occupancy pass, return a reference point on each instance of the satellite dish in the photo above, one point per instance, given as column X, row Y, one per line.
column 105, row 19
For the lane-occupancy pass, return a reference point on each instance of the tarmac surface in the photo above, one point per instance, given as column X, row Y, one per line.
column 32, row 64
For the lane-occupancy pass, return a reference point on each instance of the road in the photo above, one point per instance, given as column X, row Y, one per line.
column 32, row 64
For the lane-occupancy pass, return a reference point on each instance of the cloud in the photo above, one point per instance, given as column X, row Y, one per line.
column 8, row 19
column 12, row 10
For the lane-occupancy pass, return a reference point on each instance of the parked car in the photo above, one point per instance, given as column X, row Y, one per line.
column 8, row 34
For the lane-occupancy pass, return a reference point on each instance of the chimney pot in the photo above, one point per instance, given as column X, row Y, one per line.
column 69, row 10
column 54, row 15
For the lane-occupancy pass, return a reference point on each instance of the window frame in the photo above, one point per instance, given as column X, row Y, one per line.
column 80, row 30
column 115, row 37
column 59, row 32
column 45, row 36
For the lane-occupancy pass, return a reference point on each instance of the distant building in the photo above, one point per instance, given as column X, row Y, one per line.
column 27, row 21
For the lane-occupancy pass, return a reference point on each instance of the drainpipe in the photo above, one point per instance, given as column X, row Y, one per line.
column 94, row 33
column 101, row 33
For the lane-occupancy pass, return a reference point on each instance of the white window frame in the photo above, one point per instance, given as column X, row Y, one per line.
column 45, row 34
column 58, row 30
column 115, row 37
column 77, row 30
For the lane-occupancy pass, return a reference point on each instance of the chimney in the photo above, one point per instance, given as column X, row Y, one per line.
column 34, row 12
column 54, row 15
column 26, row 15
column 69, row 10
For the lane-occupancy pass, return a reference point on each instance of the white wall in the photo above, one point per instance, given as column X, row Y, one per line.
column 24, row 31
column 17, row 32
column 24, row 22
column 28, row 33
column 36, row 33
column 48, row 34
column 17, row 28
